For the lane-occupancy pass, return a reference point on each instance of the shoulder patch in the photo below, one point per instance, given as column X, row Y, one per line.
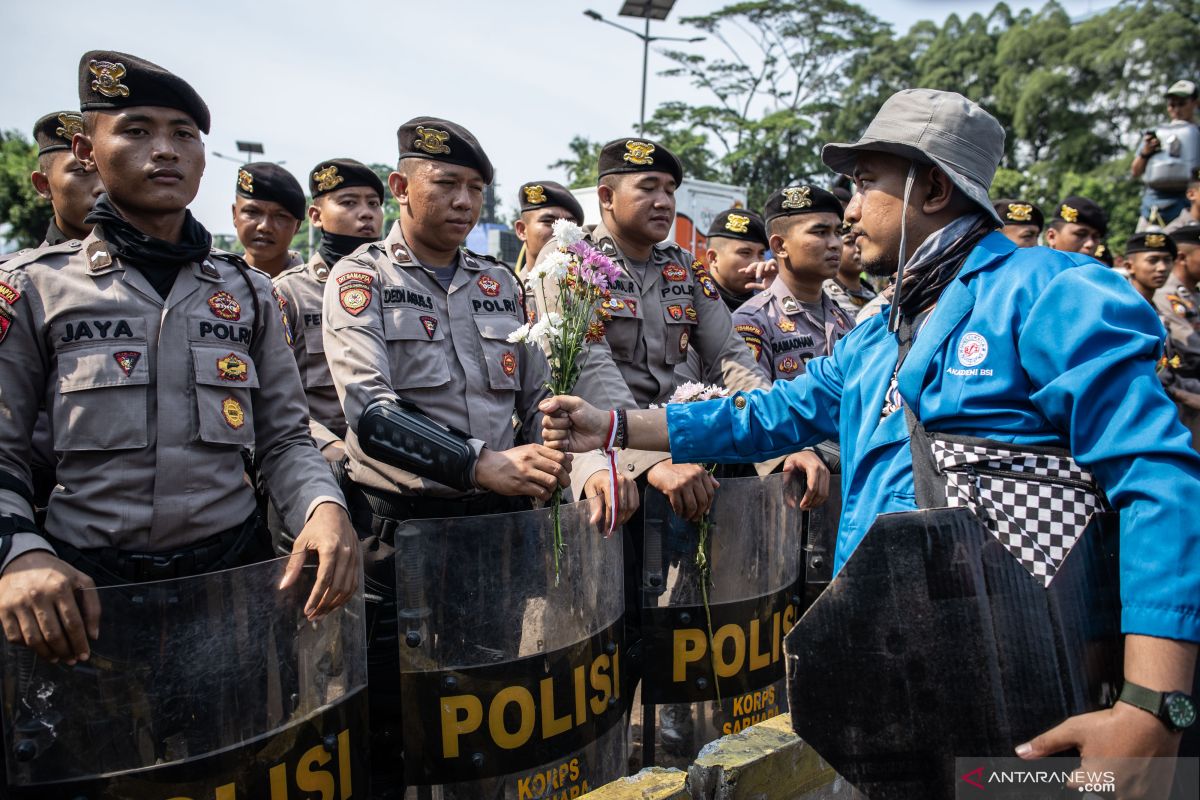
column 8, row 294
column 23, row 258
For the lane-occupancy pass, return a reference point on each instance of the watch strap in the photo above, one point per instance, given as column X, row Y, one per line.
column 1143, row 698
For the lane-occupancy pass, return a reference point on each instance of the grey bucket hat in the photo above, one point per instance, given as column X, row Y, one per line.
column 943, row 128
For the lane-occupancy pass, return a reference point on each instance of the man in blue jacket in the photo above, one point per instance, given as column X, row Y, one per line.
column 1026, row 346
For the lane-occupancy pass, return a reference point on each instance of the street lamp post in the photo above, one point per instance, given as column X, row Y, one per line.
column 648, row 10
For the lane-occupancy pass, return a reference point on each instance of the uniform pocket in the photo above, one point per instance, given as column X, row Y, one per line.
column 101, row 398
column 625, row 328
column 417, row 349
column 224, row 412
column 314, row 368
column 499, row 353
column 680, row 317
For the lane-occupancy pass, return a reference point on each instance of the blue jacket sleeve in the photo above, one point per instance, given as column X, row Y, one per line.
column 763, row 424
column 1090, row 345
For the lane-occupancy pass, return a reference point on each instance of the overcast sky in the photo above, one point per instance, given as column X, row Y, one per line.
column 316, row 80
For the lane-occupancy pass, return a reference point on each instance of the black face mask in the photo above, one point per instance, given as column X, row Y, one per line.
column 157, row 259
column 334, row 246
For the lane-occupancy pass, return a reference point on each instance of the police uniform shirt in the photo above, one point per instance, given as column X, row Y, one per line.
column 303, row 289
column 659, row 313
column 391, row 330
column 783, row 334
column 851, row 299
column 151, row 401
column 1179, row 308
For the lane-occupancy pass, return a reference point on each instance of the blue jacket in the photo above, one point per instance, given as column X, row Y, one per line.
column 1068, row 359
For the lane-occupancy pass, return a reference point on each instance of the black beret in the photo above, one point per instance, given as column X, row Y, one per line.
column 548, row 194
column 108, row 80
column 267, row 181
column 1019, row 212
column 804, row 199
column 843, row 195
column 441, row 140
column 1188, row 234
column 639, row 155
column 1151, row 242
column 342, row 173
column 1082, row 211
column 53, row 132
column 738, row 223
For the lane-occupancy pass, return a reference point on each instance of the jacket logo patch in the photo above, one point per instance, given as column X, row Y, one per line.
column 683, row 342
column 232, row 368
column 508, row 362
column 354, row 298
column 232, row 411
column 708, row 285
column 691, row 314
column 357, row 277
column 676, row 312
column 225, row 306
column 786, row 325
column 430, row 325
column 748, row 328
column 789, row 365
column 489, row 285
column 127, row 360
column 755, row 344
column 8, row 294
column 674, row 272
column 972, row 349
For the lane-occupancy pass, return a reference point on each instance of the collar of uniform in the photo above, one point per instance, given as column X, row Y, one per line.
column 603, row 240
column 206, row 270
column 318, row 268
column 783, row 294
column 396, row 247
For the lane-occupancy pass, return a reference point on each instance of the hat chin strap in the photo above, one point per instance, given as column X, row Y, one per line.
column 894, row 316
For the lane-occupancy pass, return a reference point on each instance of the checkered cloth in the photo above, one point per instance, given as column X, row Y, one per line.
column 1036, row 504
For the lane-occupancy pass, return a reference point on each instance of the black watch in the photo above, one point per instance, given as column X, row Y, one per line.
column 1176, row 709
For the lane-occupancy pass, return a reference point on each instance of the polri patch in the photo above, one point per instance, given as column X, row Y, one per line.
column 676, row 311
column 674, row 272
column 489, row 285
column 232, row 411
column 690, row 313
column 508, row 362
column 683, row 342
column 127, row 360
column 232, row 368
column 430, row 324
column 225, row 306
column 789, row 365
column 354, row 298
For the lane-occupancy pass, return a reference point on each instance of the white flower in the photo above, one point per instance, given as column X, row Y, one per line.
column 548, row 328
column 567, row 233
column 520, row 335
column 552, row 266
column 692, row 392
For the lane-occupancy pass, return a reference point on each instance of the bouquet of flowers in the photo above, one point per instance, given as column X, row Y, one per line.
column 692, row 392
column 582, row 275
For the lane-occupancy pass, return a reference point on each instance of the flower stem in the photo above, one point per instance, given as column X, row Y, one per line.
column 704, row 568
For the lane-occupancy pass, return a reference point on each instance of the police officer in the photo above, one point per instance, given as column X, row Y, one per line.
column 1151, row 257
column 794, row 319
column 347, row 206
column 1078, row 226
column 848, row 288
column 411, row 322
column 268, row 207
column 541, row 203
column 736, row 239
column 1191, row 212
column 159, row 361
column 1023, row 221
column 1179, row 308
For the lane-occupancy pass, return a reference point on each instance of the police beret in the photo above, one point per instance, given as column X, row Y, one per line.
column 267, row 181
column 738, row 223
column 441, row 140
column 1082, row 211
column 548, row 194
column 804, row 199
column 342, row 173
column 1188, row 234
column 639, row 155
column 1151, row 242
column 109, row 80
column 53, row 132
column 843, row 195
column 1019, row 212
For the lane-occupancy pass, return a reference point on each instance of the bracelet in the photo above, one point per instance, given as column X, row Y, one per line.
column 622, row 437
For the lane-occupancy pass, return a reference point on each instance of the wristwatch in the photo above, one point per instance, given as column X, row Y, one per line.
column 1176, row 710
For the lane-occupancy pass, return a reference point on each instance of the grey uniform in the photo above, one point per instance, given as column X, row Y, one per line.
column 783, row 334
column 391, row 330
column 1179, row 308
column 303, row 289
column 849, row 299
column 151, row 401
column 659, row 314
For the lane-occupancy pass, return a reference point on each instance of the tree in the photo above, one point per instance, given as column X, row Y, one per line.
column 582, row 166
column 26, row 214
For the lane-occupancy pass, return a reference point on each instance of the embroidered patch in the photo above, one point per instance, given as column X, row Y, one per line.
column 488, row 285
column 8, row 294
column 232, row 368
column 683, row 342
column 748, row 328
column 691, row 314
column 1179, row 308
column 613, row 304
column 972, row 349
column 359, row 277
column 225, row 306
column 232, row 411
column 789, row 365
column 755, row 344
column 676, row 311
column 674, row 272
column 632, row 305
column 400, row 254
column 5, row 324
column 287, row 328
column 508, row 362
column 127, row 360
column 708, row 286
column 354, row 298
column 430, row 325
column 786, row 325
column 279, row 299
column 790, row 306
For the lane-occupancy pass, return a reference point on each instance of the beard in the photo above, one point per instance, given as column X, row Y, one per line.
column 880, row 266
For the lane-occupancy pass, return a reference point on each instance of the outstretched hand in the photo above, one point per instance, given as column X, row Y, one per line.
column 764, row 273
column 572, row 425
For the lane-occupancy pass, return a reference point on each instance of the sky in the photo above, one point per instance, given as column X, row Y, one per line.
column 317, row 80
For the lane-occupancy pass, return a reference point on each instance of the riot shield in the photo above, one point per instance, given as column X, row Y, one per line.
column 934, row 642
column 704, row 680
column 211, row 686
column 509, row 672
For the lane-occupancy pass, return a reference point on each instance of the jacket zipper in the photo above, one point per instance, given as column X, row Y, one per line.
column 1029, row 476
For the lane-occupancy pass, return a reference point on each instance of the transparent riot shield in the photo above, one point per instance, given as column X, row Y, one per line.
column 510, row 673
column 211, row 686
column 934, row 642
column 711, row 672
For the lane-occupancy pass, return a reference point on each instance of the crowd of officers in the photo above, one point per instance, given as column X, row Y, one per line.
column 149, row 382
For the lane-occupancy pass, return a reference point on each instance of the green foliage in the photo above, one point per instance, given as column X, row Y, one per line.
column 582, row 165
column 26, row 214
